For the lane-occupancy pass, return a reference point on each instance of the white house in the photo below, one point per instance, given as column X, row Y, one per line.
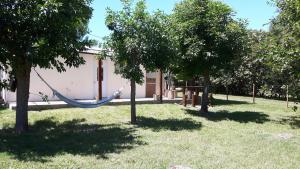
column 90, row 81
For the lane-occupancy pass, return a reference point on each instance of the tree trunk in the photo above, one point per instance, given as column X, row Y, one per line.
column 160, row 86
column 132, row 102
column 23, row 83
column 204, row 100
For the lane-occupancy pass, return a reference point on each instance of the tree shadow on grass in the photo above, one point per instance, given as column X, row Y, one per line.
column 48, row 138
column 238, row 116
column 220, row 102
column 293, row 121
column 168, row 124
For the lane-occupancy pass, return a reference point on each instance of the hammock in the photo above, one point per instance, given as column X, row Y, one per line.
column 75, row 103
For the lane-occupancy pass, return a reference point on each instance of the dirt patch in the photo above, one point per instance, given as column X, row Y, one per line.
column 284, row 136
column 179, row 167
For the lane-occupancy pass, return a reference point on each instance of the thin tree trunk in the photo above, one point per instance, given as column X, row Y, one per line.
column 183, row 97
column 204, row 100
column 132, row 102
column 23, row 83
column 160, row 86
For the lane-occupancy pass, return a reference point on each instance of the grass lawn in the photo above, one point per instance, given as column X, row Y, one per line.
column 237, row 134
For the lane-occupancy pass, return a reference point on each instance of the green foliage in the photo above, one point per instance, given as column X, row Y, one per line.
column 261, row 66
column 273, row 59
column 41, row 31
column 44, row 33
column 44, row 97
column 138, row 39
column 208, row 37
column 289, row 17
column 159, row 50
column 285, row 52
column 251, row 68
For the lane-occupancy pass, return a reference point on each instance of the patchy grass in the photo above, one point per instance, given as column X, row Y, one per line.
column 236, row 134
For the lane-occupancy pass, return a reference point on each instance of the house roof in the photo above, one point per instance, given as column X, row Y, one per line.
column 92, row 51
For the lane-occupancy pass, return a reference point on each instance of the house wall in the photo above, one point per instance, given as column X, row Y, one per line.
column 76, row 83
column 79, row 83
column 113, row 82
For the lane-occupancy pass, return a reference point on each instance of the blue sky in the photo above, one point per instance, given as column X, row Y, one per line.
column 257, row 12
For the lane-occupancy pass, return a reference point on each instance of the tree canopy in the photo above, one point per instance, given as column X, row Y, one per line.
column 139, row 40
column 272, row 60
column 208, row 38
column 38, row 33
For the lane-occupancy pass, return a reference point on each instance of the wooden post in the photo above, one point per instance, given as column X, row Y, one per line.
column 183, row 95
column 184, row 100
column 253, row 93
column 287, row 96
column 194, row 100
column 227, row 92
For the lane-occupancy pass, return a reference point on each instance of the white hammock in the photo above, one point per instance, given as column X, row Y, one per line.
column 75, row 103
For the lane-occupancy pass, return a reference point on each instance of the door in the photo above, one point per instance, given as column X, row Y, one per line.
column 150, row 87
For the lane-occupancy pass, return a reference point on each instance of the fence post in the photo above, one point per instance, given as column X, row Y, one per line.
column 194, row 99
column 227, row 92
column 253, row 94
column 287, row 96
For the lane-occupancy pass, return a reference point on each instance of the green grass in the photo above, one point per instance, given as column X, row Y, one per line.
column 236, row 134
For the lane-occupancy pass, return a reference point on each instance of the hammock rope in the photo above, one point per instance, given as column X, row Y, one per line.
column 75, row 103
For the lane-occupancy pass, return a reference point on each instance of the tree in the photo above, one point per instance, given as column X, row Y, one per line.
column 138, row 40
column 38, row 33
column 268, row 53
column 160, row 46
column 251, row 68
column 285, row 51
column 208, row 39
